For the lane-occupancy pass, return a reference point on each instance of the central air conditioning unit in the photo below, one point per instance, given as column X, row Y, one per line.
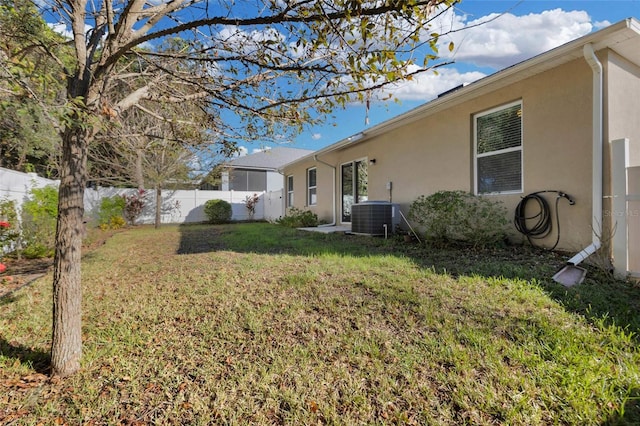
column 374, row 218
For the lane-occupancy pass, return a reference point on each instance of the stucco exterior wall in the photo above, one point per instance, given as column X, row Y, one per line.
column 436, row 152
column 621, row 115
column 623, row 104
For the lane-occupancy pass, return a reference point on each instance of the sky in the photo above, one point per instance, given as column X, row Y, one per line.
column 520, row 30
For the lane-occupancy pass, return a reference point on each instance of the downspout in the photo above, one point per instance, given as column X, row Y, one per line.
column 596, row 185
column 333, row 191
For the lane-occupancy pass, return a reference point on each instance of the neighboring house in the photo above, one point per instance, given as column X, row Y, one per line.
column 547, row 123
column 259, row 171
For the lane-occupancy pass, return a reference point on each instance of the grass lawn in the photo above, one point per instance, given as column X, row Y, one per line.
column 259, row 324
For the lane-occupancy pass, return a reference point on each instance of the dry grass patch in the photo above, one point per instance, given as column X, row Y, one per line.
column 257, row 324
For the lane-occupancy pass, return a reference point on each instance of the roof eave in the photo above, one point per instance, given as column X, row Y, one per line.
column 605, row 38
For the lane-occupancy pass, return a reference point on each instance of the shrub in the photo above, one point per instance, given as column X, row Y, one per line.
column 297, row 218
column 459, row 217
column 133, row 206
column 39, row 214
column 111, row 214
column 218, row 211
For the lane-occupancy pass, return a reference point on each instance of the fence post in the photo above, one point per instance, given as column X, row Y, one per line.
column 619, row 189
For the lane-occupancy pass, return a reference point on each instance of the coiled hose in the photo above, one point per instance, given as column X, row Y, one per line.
column 543, row 224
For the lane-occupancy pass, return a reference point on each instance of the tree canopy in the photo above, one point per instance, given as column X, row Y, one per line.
column 30, row 90
column 247, row 69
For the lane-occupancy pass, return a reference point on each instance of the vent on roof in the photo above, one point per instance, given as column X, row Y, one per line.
column 374, row 218
column 446, row 92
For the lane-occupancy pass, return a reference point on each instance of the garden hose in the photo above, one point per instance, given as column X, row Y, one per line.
column 543, row 224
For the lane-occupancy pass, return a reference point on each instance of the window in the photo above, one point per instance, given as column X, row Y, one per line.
column 289, row 191
column 498, row 150
column 311, row 187
column 247, row 180
column 354, row 186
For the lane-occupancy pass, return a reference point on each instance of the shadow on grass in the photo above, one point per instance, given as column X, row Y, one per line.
column 600, row 296
column 37, row 359
column 631, row 413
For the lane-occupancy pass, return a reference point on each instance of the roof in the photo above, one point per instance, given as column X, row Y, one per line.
column 622, row 37
column 271, row 159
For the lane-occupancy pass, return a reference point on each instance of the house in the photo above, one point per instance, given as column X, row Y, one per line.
column 557, row 121
column 259, row 171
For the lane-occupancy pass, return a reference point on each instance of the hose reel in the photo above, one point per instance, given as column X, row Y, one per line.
column 539, row 225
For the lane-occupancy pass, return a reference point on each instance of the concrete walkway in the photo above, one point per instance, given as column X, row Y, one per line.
column 328, row 229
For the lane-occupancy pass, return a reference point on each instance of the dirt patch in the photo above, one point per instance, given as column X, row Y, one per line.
column 21, row 272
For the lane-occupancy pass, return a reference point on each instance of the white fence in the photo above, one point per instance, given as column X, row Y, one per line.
column 16, row 185
column 177, row 206
column 626, row 210
column 187, row 206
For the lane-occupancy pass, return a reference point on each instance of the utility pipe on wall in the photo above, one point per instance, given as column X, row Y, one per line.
column 333, row 191
column 596, row 185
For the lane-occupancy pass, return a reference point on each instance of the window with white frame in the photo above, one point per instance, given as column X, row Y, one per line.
column 311, row 187
column 289, row 191
column 498, row 149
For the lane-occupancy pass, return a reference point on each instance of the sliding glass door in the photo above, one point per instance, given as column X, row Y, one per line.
column 354, row 186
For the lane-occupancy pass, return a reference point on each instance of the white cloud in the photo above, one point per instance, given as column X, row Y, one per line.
column 241, row 151
column 491, row 41
column 429, row 85
column 264, row 149
column 598, row 25
column 501, row 41
column 61, row 29
column 316, row 136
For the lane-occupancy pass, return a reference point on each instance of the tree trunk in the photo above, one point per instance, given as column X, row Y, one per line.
column 139, row 176
column 158, row 206
column 66, row 345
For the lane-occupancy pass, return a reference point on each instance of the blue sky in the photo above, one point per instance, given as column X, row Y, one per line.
column 525, row 29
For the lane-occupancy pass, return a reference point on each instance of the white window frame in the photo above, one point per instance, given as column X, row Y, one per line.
column 310, row 199
column 289, row 191
column 341, row 195
column 476, row 156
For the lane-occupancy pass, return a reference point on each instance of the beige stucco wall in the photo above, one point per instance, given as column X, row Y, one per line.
column 436, row 152
column 622, row 110
column 622, row 114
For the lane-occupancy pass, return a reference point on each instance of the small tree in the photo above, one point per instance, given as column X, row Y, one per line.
column 218, row 211
column 133, row 206
column 275, row 65
column 251, row 202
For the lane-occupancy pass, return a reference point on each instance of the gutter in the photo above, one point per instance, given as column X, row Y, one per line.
column 333, row 190
column 596, row 185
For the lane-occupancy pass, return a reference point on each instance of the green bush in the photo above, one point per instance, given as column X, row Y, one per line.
column 297, row 218
column 39, row 215
column 459, row 217
column 111, row 214
column 218, row 211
